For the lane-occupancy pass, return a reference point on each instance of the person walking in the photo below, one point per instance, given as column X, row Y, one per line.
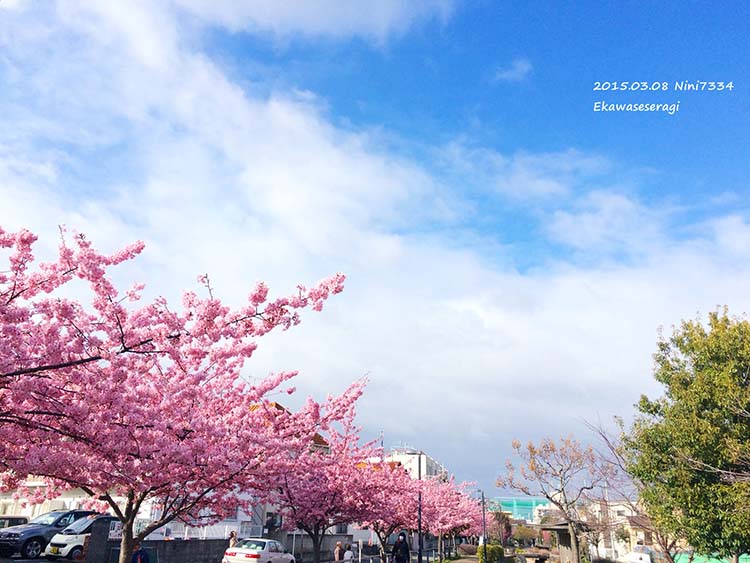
column 348, row 553
column 338, row 552
column 400, row 551
column 232, row 538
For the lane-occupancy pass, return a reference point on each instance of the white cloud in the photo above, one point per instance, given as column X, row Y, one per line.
column 522, row 176
column 732, row 233
column 145, row 29
column 13, row 4
column 518, row 71
column 150, row 139
column 335, row 18
column 606, row 223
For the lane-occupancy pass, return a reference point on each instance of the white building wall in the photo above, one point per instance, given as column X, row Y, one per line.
column 417, row 463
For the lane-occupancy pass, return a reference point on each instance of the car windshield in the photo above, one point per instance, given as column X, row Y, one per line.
column 79, row 526
column 47, row 519
column 252, row 544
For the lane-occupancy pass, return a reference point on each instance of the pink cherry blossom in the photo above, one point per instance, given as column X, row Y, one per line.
column 146, row 403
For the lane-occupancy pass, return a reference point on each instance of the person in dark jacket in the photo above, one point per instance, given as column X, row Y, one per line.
column 139, row 555
column 400, row 551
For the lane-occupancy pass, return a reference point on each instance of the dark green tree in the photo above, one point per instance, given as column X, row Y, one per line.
column 689, row 448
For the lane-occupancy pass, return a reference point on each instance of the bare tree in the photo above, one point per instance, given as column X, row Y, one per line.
column 564, row 473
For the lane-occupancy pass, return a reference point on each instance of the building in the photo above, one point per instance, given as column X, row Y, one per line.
column 417, row 463
column 530, row 509
column 613, row 520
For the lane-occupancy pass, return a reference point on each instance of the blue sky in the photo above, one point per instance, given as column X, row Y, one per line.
column 511, row 254
column 443, row 80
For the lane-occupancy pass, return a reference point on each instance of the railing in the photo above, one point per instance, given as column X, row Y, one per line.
column 428, row 556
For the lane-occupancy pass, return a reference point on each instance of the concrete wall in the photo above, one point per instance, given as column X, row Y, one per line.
column 103, row 550
column 100, row 549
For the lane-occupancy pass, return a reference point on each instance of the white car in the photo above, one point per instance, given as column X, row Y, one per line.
column 69, row 542
column 257, row 550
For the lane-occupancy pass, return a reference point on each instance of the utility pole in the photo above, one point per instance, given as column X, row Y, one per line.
column 610, row 523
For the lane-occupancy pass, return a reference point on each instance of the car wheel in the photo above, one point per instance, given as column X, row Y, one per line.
column 32, row 548
column 76, row 554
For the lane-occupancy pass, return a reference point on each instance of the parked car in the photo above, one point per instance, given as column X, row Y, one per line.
column 30, row 539
column 7, row 521
column 259, row 550
column 69, row 542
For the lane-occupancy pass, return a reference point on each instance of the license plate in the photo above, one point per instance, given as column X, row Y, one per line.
column 54, row 550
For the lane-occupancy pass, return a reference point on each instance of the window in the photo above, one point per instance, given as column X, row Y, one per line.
column 233, row 517
column 249, row 530
column 620, row 513
column 342, row 528
column 258, row 545
column 178, row 529
column 273, row 521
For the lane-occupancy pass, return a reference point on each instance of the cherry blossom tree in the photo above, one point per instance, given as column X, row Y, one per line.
column 394, row 502
column 140, row 404
column 322, row 486
column 448, row 509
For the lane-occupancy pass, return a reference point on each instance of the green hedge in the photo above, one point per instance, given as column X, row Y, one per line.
column 494, row 553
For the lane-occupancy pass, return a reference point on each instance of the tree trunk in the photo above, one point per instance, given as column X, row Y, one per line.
column 668, row 548
column 574, row 547
column 317, row 540
column 126, row 542
column 383, row 538
column 735, row 558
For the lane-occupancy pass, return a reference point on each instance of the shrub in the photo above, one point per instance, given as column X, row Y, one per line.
column 494, row 553
column 467, row 549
